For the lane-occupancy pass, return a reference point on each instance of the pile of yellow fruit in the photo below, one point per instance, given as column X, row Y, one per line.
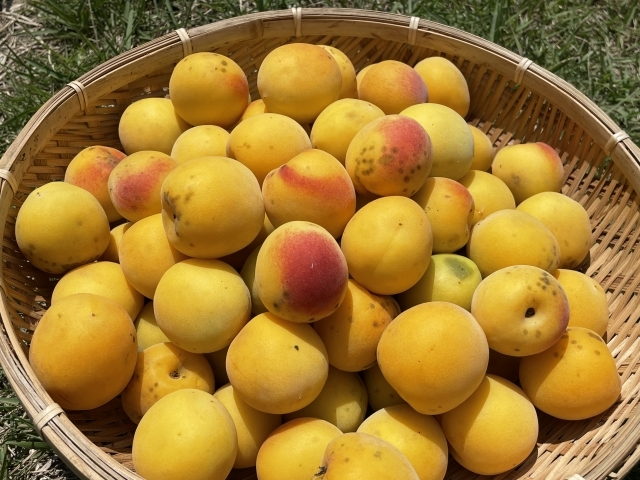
column 336, row 287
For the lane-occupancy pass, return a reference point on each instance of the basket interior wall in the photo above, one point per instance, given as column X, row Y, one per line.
column 508, row 113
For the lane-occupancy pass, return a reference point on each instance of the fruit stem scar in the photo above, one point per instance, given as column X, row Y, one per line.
column 530, row 313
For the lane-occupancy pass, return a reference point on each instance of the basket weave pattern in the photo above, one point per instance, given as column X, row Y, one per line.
column 512, row 100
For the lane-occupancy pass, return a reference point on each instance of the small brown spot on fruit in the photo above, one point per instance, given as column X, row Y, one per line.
column 296, row 347
column 597, row 352
column 529, row 313
column 175, row 374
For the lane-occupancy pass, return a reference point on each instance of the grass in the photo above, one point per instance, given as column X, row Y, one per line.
column 594, row 45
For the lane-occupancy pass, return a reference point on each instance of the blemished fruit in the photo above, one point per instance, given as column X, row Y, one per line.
column 201, row 305
column 150, row 124
column 449, row 278
column 105, row 279
column 392, row 86
column 299, row 80
column 351, row 333
column 448, row 355
column 449, row 207
column 134, row 184
column 482, row 433
column 528, row 168
column 368, row 457
column 387, row 245
column 391, row 155
column 313, row 186
column 196, row 207
column 446, row 84
column 277, row 366
column 336, row 126
column 342, row 401
column 294, row 450
column 84, row 351
column 567, row 220
column 252, row 426
column 187, row 435
column 160, row 370
column 450, row 136
column 90, row 169
column 512, row 237
column 209, row 89
column 301, row 273
column 419, row 437
column 521, row 309
column 200, row 141
column 60, row 227
column 267, row 141
column 575, row 379
column 146, row 254
column 587, row 300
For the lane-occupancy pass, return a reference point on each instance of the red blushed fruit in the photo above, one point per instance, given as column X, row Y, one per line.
column 314, row 274
column 335, row 189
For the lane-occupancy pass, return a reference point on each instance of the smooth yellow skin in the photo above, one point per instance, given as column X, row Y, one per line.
column 211, row 207
column 294, row 450
column 150, row 124
column 301, row 274
column 101, row 278
column 446, row 84
column 387, row 245
column 299, row 80
column 277, row 366
column 187, row 435
column 267, row 141
column 392, row 86
column 218, row 362
column 134, row 184
column 482, row 150
column 146, row 254
column 254, row 108
column 313, row 186
column 587, row 300
column 252, row 426
column 434, row 355
column 528, row 168
column 201, row 305
column 450, row 136
column 61, row 226
column 449, row 278
column 352, row 332
column 342, row 401
column 83, row 351
column 349, row 85
column 391, row 155
column 368, row 457
column 576, row 378
column 489, row 193
column 419, row 437
column 90, row 170
column 361, row 75
column 200, row 141
column 160, row 370
column 512, row 237
column 209, row 89
column 248, row 274
column 482, row 433
column 239, row 258
column 504, row 366
column 111, row 254
column 380, row 393
column 522, row 310
column 449, row 207
column 567, row 220
column 147, row 329
column 336, row 126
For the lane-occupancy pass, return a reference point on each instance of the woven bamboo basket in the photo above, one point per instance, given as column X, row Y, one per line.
column 512, row 100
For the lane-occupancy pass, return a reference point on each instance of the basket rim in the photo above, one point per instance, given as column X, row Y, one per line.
column 85, row 458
